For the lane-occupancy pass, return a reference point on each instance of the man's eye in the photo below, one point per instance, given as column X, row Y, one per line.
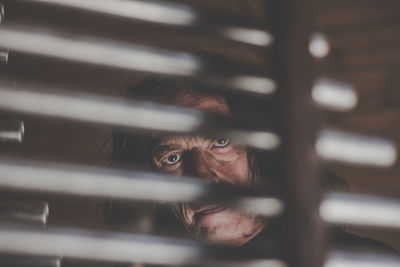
column 221, row 142
column 172, row 159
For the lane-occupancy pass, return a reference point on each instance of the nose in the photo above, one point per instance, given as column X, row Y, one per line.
column 200, row 163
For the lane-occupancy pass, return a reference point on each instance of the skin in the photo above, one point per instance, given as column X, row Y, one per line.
column 217, row 161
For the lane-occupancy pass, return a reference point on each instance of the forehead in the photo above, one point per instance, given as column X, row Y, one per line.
column 200, row 101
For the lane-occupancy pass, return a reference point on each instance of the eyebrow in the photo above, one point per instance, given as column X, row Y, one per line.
column 161, row 150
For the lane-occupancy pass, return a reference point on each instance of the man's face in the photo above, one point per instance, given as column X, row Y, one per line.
column 218, row 161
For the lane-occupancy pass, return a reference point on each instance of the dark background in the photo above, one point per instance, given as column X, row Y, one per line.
column 365, row 51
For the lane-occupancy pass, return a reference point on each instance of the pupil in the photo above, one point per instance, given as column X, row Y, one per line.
column 221, row 141
column 173, row 158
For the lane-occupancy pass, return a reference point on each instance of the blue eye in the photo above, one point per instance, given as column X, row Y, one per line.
column 221, row 142
column 172, row 159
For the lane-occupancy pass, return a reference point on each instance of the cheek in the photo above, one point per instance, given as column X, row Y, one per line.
column 234, row 166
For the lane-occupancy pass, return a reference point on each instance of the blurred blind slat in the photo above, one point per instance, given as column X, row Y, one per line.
column 128, row 114
column 24, row 212
column 121, row 248
column 100, row 182
column 361, row 210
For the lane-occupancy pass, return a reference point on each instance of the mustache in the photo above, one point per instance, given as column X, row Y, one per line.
column 219, row 195
column 207, row 210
